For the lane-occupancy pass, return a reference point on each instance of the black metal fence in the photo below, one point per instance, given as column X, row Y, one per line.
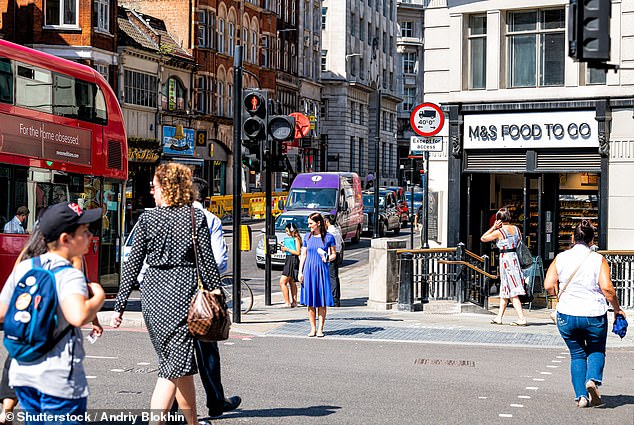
column 463, row 276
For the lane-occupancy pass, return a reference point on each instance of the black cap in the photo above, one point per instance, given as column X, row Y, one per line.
column 60, row 218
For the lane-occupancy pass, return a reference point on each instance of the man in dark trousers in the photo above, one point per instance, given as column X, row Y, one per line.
column 333, row 266
column 207, row 354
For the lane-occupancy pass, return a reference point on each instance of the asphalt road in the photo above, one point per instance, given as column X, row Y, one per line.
column 333, row 381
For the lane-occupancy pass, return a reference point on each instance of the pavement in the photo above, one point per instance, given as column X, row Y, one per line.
column 354, row 320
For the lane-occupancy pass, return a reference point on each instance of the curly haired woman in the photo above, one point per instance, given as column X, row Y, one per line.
column 164, row 241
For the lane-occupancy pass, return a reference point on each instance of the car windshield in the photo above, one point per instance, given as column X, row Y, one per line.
column 312, row 199
column 368, row 200
column 418, row 196
column 301, row 221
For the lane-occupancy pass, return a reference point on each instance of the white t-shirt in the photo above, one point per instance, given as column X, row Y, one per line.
column 51, row 374
column 582, row 296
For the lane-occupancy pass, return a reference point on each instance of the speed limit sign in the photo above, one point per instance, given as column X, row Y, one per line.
column 427, row 119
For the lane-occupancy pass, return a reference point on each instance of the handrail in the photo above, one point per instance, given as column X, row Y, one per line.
column 610, row 252
column 471, row 266
column 474, row 256
column 422, row 251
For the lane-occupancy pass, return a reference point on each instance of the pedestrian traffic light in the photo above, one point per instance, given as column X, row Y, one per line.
column 254, row 118
column 589, row 30
column 281, row 128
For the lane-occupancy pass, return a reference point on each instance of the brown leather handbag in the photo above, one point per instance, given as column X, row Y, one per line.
column 208, row 317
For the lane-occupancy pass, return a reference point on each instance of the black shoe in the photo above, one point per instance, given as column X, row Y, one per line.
column 337, row 304
column 231, row 403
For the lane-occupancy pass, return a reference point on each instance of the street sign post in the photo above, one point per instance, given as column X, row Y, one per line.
column 427, row 119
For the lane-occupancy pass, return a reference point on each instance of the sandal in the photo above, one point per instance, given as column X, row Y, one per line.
column 312, row 334
column 495, row 322
column 518, row 323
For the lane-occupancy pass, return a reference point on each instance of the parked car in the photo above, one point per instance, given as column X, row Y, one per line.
column 418, row 201
column 389, row 219
column 403, row 206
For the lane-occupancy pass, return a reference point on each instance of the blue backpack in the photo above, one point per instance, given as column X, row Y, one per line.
column 32, row 318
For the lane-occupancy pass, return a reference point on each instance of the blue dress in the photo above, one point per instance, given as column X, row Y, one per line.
column 316, row 291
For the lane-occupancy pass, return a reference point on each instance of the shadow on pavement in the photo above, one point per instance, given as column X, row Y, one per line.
column 354, row 302
column 355, row 331
column 309, row 411
column 613, row 401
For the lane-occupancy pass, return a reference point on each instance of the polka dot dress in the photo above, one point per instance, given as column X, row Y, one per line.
column 164, row 240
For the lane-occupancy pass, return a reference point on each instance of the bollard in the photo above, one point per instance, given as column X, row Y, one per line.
column 406, row 285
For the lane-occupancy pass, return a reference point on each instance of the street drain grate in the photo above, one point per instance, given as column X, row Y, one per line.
column 450, row 363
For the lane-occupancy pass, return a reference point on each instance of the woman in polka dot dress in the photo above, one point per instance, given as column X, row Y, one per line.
column 163, row 239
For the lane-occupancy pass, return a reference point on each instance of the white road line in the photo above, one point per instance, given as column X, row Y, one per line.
column 561, row 357
column 524, row 396
column 483, row 398
column 552, row 366
column 532, row 388
column 229, row 343
column 246, row 339
column 505, row 415
column 516, row 405
column 101, row 357
column 538, row 379
column 143, row 364
column 116, row 370
column 90, row 377
column 555, row 361
column 545, row 373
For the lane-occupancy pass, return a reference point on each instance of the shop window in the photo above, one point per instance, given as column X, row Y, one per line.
column 477, row 51
column 536, row 48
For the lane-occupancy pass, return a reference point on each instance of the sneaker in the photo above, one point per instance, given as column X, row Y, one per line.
column 593, row 391
column 582, row 402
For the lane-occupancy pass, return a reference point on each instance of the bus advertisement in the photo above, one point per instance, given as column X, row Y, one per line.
column 62, row 139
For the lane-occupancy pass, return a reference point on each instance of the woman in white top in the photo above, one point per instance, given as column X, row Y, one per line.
column 581, row 279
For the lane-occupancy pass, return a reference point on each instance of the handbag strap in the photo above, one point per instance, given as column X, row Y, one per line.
column 194, row 240
column 561, row 291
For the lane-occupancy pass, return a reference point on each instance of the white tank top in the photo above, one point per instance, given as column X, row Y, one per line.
column 582, row 296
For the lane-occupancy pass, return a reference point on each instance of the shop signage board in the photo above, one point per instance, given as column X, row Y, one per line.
column 178, row 143
column 418, row 145
column 427, row 119
column 564, row 129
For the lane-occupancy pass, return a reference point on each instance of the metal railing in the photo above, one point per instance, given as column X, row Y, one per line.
column 446, row 274
column 463, row 276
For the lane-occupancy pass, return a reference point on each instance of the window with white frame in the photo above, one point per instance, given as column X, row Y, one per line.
column 293, row 6
column 221, row 98
column 229, row 98
column 140, row 88
column 221, row 35
column 104, row 70
column 407, row 29
column 102, row 15
column 231, row 38
column 206, row 25
column 409, row 62
column 254, row 47
column 477, row 46
column 353, row 112
column 324, row 12
column 324, row 57
column 595, row 75
column 409, row 97
column 265, row 51
column 536, row 46
column 61, row 13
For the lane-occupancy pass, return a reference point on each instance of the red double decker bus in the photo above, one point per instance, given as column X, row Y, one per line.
column 62, row 138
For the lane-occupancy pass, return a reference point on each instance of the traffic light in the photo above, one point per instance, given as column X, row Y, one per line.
column 589, row 30
column 281, row 128
column 254, row 119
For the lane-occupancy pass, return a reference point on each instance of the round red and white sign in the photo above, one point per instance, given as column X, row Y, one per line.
column 427, row 119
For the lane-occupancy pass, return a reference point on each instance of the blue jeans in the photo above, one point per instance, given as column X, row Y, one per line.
column 68, row 411
column 586, row 338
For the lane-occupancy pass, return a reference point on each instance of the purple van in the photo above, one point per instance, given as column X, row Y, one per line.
column 337, row 194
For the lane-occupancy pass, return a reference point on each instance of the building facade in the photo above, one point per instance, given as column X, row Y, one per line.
column 528, row 127
column 409, row 81
column 358, row 70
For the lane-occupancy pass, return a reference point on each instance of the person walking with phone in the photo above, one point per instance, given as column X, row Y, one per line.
column 507, row 237
column 318, row 249
column 581, row 279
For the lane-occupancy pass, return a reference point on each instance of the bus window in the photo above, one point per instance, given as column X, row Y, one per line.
column 34, row 88
column 64, row 96
column 101, row 114
column 6, row 81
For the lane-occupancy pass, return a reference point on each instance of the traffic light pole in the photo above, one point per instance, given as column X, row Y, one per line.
column 268, row 225
column 377, row 169
column 237, row 182
column 411, row 203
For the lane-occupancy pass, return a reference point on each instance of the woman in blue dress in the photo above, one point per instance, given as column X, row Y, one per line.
column 317, row 251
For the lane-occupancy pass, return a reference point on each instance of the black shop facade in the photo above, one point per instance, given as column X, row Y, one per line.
column 541, row 160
